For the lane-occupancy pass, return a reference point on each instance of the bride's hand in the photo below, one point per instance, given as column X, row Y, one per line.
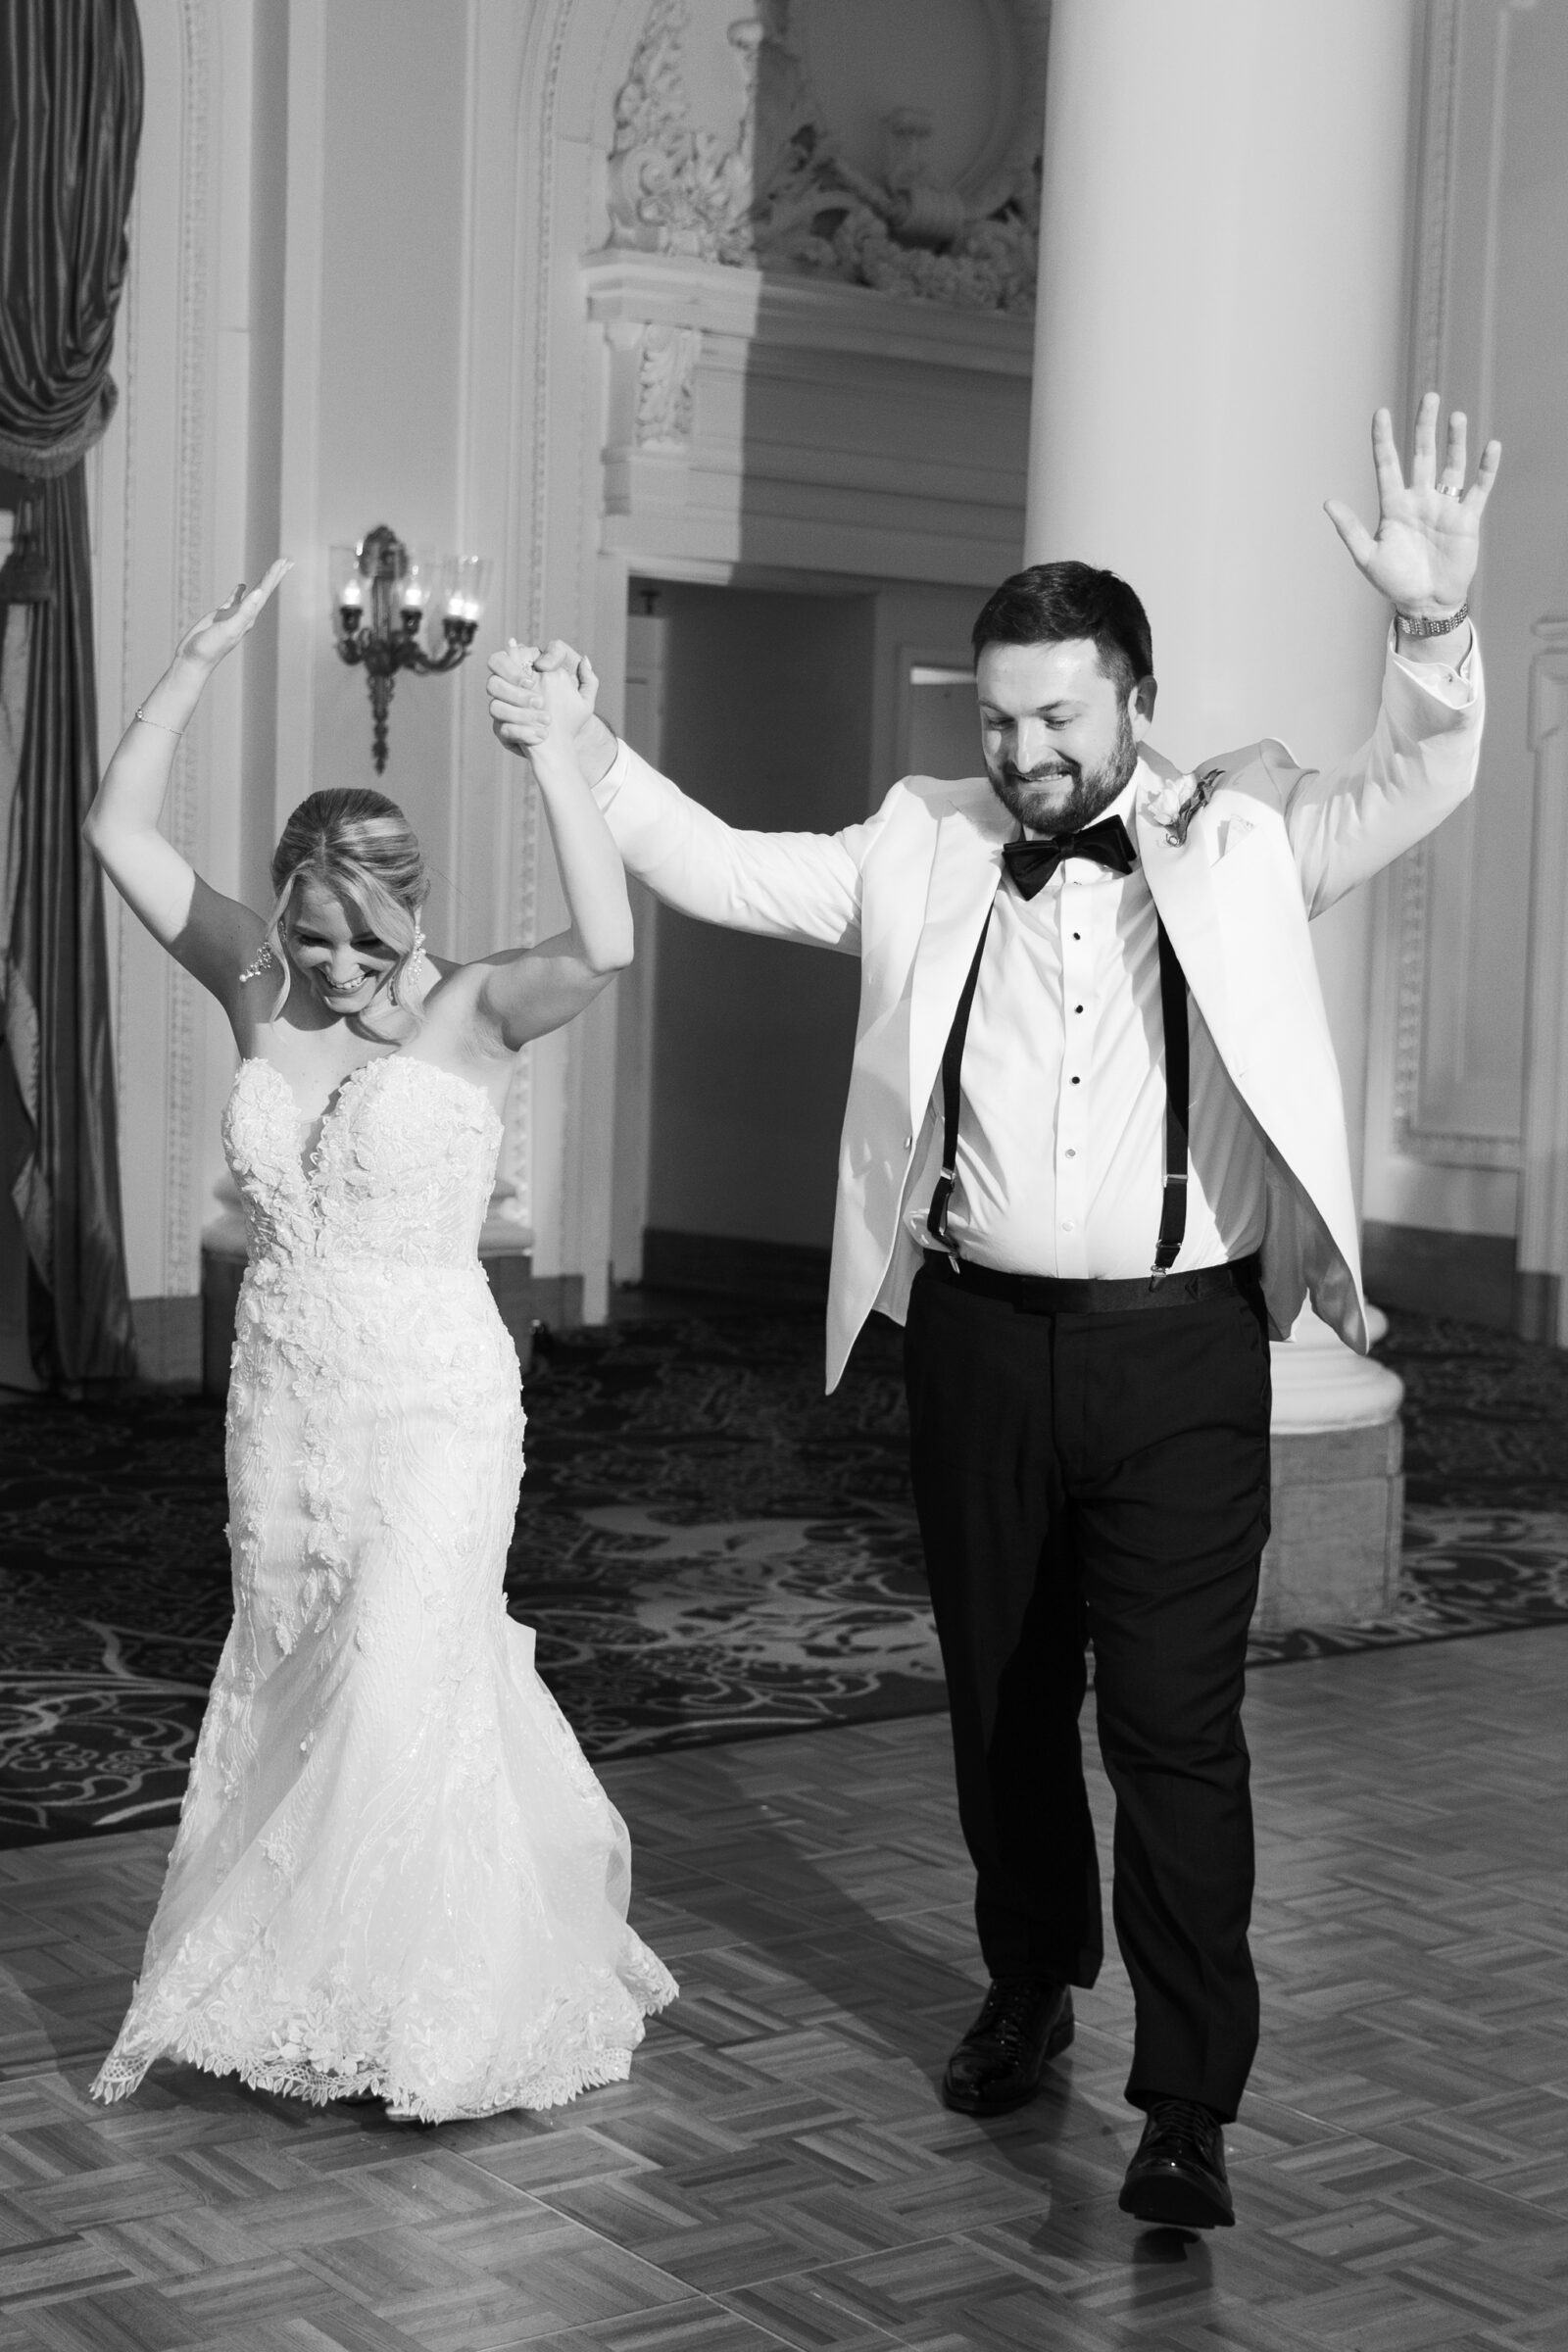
column 534, row 694
column 218, row 632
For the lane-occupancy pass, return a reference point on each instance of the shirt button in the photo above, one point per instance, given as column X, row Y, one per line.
column 907, row 1141
column 1075, row 1082
column 1071, row 1152
column 1066, row 1224
column 1077, row 1009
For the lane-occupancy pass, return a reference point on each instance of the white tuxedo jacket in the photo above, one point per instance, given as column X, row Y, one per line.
column 908, row 892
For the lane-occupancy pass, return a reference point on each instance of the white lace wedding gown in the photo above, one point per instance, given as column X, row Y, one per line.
column 395, row 1873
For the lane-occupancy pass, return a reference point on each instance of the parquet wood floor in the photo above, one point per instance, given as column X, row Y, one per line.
column 779, row 2173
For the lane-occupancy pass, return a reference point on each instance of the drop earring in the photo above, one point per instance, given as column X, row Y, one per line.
column 265, row 961
column 409, row 974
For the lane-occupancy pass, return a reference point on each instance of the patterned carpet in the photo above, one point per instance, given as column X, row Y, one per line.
column 709, row 1548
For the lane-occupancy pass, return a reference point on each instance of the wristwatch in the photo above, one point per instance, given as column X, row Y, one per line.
column 1438, row 625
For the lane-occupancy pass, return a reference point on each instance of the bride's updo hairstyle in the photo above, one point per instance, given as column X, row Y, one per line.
column 359, row 846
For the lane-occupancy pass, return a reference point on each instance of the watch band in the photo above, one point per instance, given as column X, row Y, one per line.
column 1438, row 625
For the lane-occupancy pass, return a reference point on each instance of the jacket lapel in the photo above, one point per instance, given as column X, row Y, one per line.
column 1181, row 880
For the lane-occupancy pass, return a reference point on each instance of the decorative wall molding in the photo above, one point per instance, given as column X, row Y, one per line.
column 1414, row 1133
column 796, row 424
column 1543, row 1176
column 780, row 192
column 182, row 1242
column 537, row 129
column 1429, row 328
column 667, row 378
column 803, row 313
column 1434, row 209
column 152, row 499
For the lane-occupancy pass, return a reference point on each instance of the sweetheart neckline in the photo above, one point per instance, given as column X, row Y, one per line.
column 377, row 1061
column 309, row 1163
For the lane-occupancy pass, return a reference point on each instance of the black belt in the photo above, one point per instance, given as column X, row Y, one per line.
column 1178, row 1088
column 1049, row 1295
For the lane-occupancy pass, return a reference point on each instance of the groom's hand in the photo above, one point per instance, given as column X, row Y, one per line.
column 1423, row 554
column 519, row 713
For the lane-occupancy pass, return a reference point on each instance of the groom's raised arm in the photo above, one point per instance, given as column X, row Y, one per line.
column 1346, row 820
column 804, row 886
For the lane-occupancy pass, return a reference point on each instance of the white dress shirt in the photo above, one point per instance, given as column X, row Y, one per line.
column 1061, row 1109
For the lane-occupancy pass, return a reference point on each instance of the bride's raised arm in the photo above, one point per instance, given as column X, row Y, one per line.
column 215, row 938
column 531, row 990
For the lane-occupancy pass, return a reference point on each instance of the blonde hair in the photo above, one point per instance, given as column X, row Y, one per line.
column 359, row 846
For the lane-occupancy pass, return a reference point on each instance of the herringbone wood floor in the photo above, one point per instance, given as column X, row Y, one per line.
column 779, row 2171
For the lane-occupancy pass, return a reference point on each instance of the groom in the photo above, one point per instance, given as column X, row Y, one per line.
column 1094, row 1155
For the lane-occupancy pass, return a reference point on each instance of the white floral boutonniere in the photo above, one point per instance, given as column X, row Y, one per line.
column 1177, row 802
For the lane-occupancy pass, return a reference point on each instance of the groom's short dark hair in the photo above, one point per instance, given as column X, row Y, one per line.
column 1051, row 602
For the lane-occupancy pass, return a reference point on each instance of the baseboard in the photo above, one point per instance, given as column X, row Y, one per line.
column 1536, row 1306
column 714, row 1263
column 1469, row 1276
column 557, row 1299
column 169, row 1341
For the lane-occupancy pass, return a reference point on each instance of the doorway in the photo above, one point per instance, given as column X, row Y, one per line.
column 735, row 1050
column 779, row 710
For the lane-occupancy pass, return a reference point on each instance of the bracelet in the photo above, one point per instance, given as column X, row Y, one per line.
column 1438, row 625
column 159, row 723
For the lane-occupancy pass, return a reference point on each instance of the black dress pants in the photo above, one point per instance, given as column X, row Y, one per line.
column 1103, row 1476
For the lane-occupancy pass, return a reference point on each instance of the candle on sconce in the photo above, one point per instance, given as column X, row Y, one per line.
column 348, row 589
column 466, row 579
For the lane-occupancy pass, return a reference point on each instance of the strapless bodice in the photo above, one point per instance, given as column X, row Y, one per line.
column 401, row 1174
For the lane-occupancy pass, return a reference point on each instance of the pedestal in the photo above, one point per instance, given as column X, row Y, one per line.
column 1338, row 1485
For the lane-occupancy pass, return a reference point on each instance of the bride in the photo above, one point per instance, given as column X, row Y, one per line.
column 395, row 1874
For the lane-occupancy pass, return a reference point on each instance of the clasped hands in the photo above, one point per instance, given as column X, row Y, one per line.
column 539, row 694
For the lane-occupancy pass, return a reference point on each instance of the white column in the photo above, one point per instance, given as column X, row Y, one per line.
column 1222, row 306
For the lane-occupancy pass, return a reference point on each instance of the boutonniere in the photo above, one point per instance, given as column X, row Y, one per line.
column 1177, row 802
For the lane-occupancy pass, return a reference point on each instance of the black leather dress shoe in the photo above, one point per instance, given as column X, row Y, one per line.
column 998, row 2063
column 1176, row 2178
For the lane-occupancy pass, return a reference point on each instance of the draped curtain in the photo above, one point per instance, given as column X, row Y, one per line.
column 71, row 103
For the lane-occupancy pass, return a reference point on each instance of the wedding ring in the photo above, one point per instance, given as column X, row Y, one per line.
column 1450, row 490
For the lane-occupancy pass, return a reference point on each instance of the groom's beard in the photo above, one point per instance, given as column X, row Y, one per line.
column 1092, row 790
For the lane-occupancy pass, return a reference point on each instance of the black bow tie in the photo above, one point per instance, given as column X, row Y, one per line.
column 1031, row 863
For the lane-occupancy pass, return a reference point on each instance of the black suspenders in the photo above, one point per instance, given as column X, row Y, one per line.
column 1178, row 1089
column 1178, row 1092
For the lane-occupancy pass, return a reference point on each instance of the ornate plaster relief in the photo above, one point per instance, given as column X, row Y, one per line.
column 781, row 189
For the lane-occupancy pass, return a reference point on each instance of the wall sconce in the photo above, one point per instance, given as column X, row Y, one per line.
column 382, row 599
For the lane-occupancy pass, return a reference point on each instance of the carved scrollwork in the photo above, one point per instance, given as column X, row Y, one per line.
column 667, row 373
column 782, row 194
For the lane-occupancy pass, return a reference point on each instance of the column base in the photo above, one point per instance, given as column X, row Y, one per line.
column 1338, row 1485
